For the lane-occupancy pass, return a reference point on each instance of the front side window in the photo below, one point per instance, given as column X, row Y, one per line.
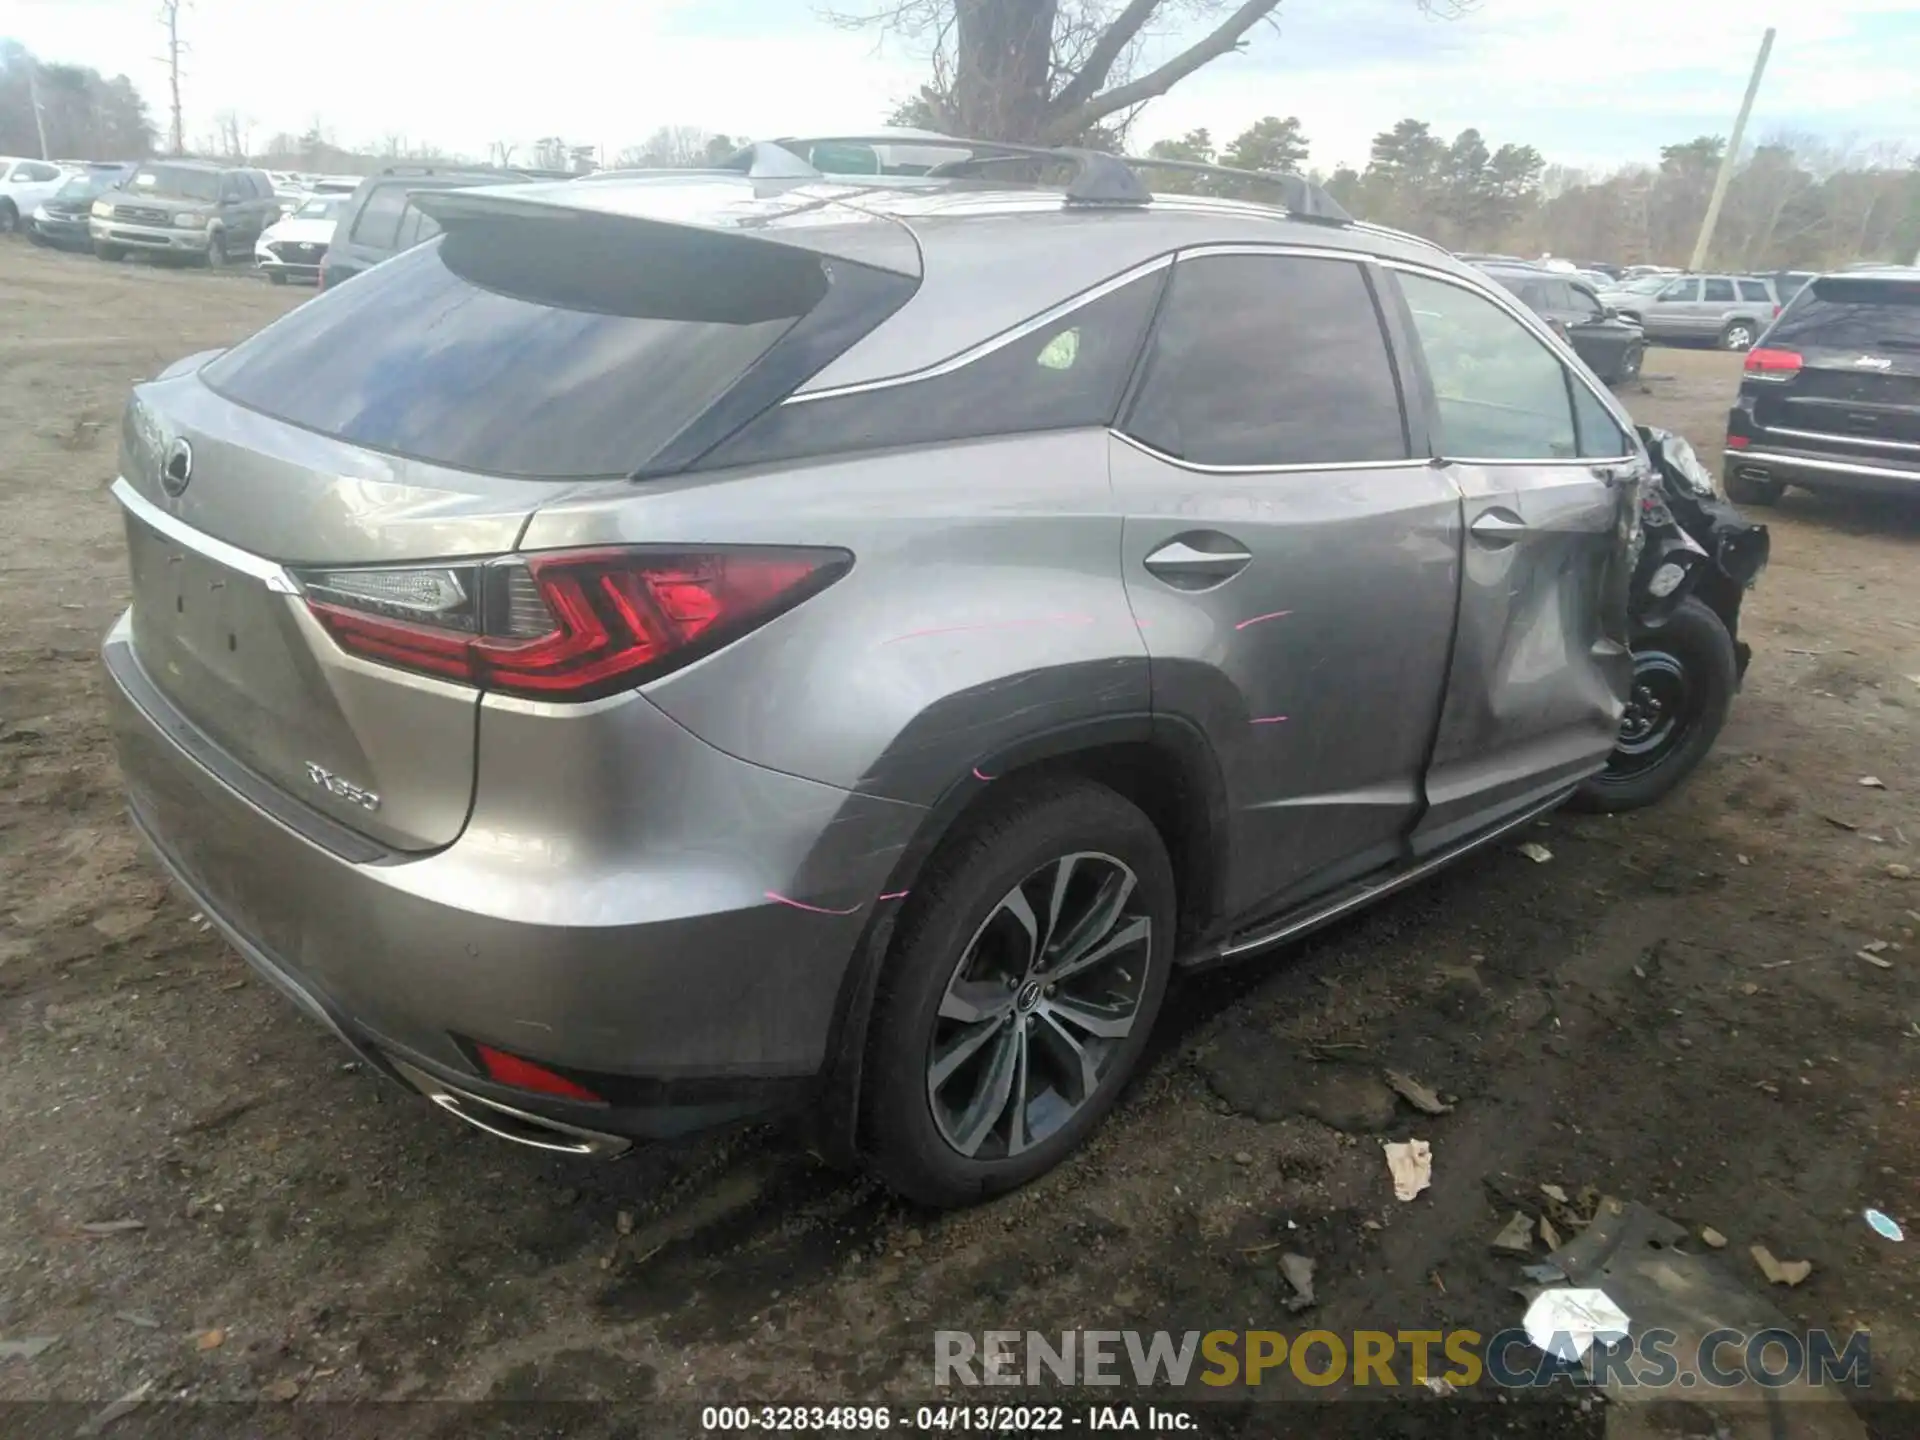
column 1063, row 375
column 1500, row 394
column 1269, row 360
column 1583, row 303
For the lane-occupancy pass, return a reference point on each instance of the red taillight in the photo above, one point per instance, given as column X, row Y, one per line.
column 1774, row 364
column 1776, row 312
column 1737, row 442
column 525, row 1075
column 570, row 625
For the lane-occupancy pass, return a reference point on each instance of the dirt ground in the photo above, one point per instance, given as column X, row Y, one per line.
column 1672, row 1009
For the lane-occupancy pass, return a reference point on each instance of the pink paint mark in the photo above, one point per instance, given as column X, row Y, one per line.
column 978, row 774
column 810, row 909
column 1270, row 720
column 896, row 895
column 993, row 625
column 1276, row 615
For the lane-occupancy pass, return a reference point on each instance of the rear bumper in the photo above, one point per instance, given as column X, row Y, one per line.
column 1824, row 471
column 687, row 997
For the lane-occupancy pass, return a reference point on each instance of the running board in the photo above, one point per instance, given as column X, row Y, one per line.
column 1239, row 947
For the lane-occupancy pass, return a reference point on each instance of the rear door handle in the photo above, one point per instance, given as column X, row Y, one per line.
column 1187, row 568
column 1498, row 528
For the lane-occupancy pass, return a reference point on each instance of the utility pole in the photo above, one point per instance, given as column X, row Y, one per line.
column 33, row 96
column 1732, row 157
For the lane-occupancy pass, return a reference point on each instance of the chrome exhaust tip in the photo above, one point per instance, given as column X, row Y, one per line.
column 503, row 1122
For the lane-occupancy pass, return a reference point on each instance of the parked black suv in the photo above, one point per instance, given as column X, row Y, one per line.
column 381, row 219
column 1831, row 394
column 1613, row 348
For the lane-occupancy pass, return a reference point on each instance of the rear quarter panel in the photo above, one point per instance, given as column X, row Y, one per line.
column 984, row 607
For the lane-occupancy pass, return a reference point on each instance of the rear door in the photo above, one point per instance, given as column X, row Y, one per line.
column 1540, row 663
column 1291, row 559
column 1857, row 383
column 1670, row 314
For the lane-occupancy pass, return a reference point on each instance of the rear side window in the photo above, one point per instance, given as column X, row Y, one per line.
column 1755, row 290
column 1719, row 292
column 1266, row 360
column 1851, row 314
column 378, row 223
column 528, row 348
column 1063, row 374
column 415, row 226
column 1499, row 393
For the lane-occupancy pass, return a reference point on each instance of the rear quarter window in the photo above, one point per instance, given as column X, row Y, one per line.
column 378, row 223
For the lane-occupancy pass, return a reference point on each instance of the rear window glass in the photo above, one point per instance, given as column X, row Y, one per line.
column 1853, row 314
column 526, row 347
column 378, row 223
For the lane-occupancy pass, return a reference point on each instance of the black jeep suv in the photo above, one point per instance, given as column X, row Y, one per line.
column 1831, row 394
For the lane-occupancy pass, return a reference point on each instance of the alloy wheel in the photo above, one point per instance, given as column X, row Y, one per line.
column 1040, row 1004
column 1739, row 337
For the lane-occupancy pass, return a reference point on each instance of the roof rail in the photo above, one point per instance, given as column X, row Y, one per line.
column 1095, row 177
column 1408, row 236
column 1301, row 198
column 456, row 167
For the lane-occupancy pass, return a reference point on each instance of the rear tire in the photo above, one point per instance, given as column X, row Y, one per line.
column 1739, row 335
column 968, row 1025
column 1684, row 677
column 1745, row 490
column 276, row 277
column 9, row 217
column 1630, row 363
column 217, row 250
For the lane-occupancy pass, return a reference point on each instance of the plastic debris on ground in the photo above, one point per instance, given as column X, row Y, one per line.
column 1535, row 852
column 1516, row 1236
column 1885, row 1226
column 28, row 1348
column 1565, row 1323
column 1299, row 1272
column 1712, row 1238
column 1422, row 1097
column 1411, row 1165
column 1780, row 1272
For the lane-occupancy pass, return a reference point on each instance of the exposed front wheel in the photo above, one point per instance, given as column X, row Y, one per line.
column 217, row 249
column 1739, row 335
column 1019, row 993
column 1630, row 364
column 277, row 277
column 1684, row 678
column 9, row 217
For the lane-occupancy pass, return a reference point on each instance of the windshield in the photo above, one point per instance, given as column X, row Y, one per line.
column 321, row 207
column 1645, row 284
column 81, row 187
column 178, row 182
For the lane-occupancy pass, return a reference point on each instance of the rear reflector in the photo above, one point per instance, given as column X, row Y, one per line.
column 525, row 1075
column 568, row 625
column 1774, row 364
column 1737, row 442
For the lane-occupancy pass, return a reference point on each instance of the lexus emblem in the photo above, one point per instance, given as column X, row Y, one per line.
column 177, row 469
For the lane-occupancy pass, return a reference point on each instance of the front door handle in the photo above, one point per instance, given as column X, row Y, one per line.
column 1187, row 568
column 1498, row 528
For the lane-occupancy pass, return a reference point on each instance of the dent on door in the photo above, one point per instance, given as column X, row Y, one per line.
column 1541, row 666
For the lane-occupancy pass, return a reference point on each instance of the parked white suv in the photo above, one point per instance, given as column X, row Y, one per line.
column 25, row 185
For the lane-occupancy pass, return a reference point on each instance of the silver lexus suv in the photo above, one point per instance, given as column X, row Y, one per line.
column 679, row 649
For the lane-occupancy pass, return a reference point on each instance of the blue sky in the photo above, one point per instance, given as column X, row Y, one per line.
column 1589, row 84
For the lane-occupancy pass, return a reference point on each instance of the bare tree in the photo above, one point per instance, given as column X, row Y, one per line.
column 233, row 134
column 1051, row 71
column 176, row 47
column 672, row 147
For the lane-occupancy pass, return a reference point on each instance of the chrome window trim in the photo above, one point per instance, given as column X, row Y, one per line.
column 268, row 572
column 993, row 343
column 1292, row 467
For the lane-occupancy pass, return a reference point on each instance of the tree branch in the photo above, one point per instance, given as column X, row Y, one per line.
column 1224, row 39
column 1109, row 48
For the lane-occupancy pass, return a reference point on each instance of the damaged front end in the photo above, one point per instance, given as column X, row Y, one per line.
column 1695, row 543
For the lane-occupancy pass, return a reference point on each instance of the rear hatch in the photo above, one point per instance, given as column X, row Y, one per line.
column 356, row 472
column 1840, row 370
